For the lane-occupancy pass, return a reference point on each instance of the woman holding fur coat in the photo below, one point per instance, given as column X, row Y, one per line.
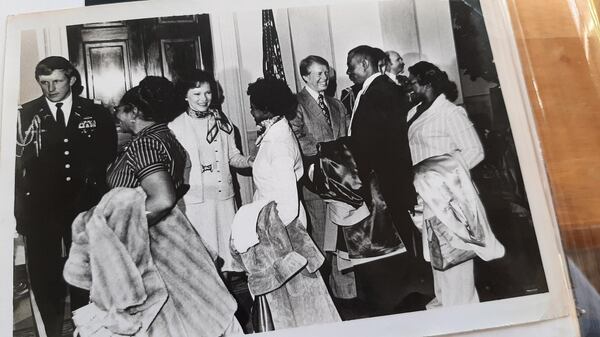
column 148, row 270
column 444, row 147
column 270, row 234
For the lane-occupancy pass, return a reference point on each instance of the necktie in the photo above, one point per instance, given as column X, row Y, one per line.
column 324, row 109
column 60, row 116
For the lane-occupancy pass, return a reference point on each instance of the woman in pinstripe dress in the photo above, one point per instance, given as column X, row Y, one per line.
column 436, row 126
column 199, row 304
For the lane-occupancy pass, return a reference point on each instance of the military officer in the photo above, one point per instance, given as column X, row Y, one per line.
column 64, row 144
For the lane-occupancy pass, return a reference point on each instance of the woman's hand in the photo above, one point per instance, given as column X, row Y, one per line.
column 251, row 160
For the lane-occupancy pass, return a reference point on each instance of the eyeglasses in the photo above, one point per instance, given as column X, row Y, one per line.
column 121, row 108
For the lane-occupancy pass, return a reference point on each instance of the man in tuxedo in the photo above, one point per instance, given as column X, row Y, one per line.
column 379, row 141
column 64, row 145
column 319, row 118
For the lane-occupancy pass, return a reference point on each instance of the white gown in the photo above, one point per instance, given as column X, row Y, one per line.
column 210, row 203
column 276, row 171
column 444, row 128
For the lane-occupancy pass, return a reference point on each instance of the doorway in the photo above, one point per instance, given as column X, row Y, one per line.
column 113, row 57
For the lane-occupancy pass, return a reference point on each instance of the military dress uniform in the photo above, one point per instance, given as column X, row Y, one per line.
column 60, row 172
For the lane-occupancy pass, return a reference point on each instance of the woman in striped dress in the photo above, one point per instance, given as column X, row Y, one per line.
column 154, row 160
column 436, row 126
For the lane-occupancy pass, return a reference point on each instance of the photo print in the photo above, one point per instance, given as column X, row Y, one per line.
column 346, row 168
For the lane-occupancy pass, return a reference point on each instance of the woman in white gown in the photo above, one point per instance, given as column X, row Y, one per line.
column 207, row 136
column 437, row 127
column 300, row 298
column 278, row 163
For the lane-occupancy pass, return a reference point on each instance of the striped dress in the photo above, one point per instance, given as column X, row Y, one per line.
column 153, row 149
column 444, row 128
column 199, row 304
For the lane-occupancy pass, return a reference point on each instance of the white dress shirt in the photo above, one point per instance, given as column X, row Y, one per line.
column 393, row 77
column 314, row 94
column 66, row 107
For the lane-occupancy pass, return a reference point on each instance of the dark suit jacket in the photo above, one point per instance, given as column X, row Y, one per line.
column 379, row 143
column 62, row 171
column 310, row 126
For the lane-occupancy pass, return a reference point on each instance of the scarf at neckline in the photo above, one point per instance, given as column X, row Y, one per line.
column 216, row 120
column 264, row 126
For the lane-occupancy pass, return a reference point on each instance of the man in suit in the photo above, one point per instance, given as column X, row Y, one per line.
column 64, row 145
column 379, row 141
column 319, row 118
column 395, row 66
column 394, row 69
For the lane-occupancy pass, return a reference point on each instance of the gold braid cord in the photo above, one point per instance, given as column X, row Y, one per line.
column 33, row 135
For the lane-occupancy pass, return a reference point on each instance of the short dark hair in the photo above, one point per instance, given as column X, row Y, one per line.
column 51, row 63
column 366, row 52
column 272, row 95
column 77, row 87
column 309, row 61
column 381, row 56
column 428, row 73
column 194, row 79
column 154, row 97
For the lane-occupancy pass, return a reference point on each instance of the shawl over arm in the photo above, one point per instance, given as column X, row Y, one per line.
column 160, row 280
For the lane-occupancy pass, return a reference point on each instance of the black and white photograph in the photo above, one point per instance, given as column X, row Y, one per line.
column 349, row 168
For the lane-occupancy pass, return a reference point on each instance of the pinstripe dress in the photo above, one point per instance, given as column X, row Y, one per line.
column 199, row 304
column 153, row 149
column 445, row 128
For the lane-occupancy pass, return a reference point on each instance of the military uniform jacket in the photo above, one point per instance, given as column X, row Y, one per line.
column 60, row 171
